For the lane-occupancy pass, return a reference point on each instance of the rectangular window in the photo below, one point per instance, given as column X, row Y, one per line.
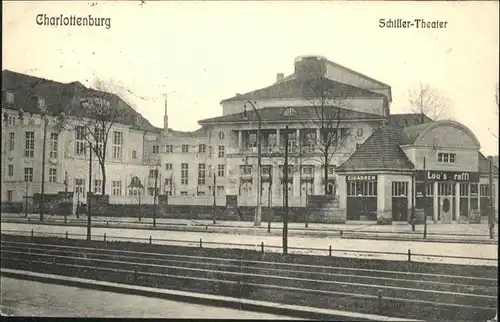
column 201, row 174
column 9, row 195
column 221, row 151
column 97, row 186
column 28, row 174
column 399, row 189
column 169, row 148
column 168, row 187
column 200, row 193
column 168, row 166
column 220, row 190
column 153, row 173
column 307, row 170
column 419, row 186
column 11, row 170
column 221, row 170
column 29, row 150
column 134, row 154
column 246, row 170
column 99, row 139
column 80, row 146
column 12, row 141
column 266, row 170
column 53, row 145
column 41, row 104
column 184, row 173
column 151, row 191
column 11, row 120
column 362, row 189
column 80, row 186
column 184, row 193
column 185, row 148
column 202, row 148
column 117, row 145
column 446, row 157
column 484, row 190
column 52, row 175
column 156, row 149
column 9, row 97
column 117, row 188
column 446, row 189
column 464, row 189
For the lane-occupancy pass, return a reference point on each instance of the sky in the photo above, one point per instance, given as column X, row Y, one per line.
column 200, row 53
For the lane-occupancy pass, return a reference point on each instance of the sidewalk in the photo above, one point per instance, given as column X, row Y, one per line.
column 472, row 230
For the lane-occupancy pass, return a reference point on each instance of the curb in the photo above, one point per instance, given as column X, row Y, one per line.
column 254, row 231
column 199, row 298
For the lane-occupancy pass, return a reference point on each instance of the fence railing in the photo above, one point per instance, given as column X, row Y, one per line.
column 148, row 221
column 329, row 250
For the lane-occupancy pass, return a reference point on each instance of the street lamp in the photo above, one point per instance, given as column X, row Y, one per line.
column 258, row 210
column 44, row 145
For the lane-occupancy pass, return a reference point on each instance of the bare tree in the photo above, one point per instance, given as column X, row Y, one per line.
column 98, row 110
column 327, row 121
column 427, row 101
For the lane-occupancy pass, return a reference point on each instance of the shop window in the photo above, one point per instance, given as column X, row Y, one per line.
column 399, row 188
column 429, row 190
column 363, row 188
column 446, row 189
column 484, row 190
column 464, row 189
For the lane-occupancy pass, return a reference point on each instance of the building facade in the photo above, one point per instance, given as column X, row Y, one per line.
column 375, row 165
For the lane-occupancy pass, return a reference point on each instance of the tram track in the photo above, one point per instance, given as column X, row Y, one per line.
column 468, row 294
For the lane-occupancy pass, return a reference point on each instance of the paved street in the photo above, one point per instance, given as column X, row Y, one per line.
column 27, row 298
column 463, row 229
column 341, row 247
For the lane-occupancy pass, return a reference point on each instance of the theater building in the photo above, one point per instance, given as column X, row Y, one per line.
column 386, row 177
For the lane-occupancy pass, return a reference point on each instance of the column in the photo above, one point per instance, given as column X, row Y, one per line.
column 297, row 138
column 240, row 139
column 457, row 201
column 435, row 201
column 278, row 138
column 318, row 134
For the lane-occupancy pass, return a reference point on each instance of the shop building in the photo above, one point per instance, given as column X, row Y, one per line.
column 386, row 177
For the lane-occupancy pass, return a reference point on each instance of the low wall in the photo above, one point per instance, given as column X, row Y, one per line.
column 11, row 207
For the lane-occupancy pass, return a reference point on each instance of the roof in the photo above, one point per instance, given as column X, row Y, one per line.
column 270, row 114
column 408, row 119
column 62, row 97
column 411, row 133
column 294, row 88
column 484, row 164
column 380, row 151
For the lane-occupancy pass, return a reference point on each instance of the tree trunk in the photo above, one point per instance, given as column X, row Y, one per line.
column 103, row 172
column 326, row 174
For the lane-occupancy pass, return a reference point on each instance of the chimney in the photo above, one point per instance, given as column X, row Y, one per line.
column 280, row 77
column 165, row 117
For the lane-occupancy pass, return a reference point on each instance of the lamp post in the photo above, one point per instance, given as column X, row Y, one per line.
column 65, row 194
column 269, row 200
column 491, row 212
column 285, row 195
column 155, row 195
column 424, row 194
column 258, row 210
column 44, row 144
column 89, row 196
column 213, row 194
